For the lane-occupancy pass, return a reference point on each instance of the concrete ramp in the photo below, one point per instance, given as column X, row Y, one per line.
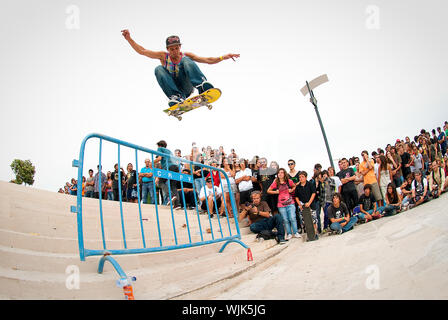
column 39, row 256
column 399, row 257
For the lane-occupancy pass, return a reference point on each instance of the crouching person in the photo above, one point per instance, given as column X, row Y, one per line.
column 367, row 205
column 419, row 189
column 260, row 219
column 339, row 215
column 436, row 180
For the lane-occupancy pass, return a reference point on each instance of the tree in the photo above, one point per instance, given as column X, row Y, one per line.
column 24, row 171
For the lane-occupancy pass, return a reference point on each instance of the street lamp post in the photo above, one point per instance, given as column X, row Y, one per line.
column 309, row 89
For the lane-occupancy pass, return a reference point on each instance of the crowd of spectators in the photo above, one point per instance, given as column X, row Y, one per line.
column 381, row 183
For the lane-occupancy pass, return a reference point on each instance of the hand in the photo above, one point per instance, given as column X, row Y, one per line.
column 307, row 204
column 230, row 56
column 126, row 34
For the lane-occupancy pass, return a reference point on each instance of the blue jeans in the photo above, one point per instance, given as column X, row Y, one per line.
column 363, row 216
column 289, row 218
column 398, row 181
column 199, row 184
column 110, row 195
column 268, row 224
column 147, row 187
column 189, row 76
column 337, row 226
column 318, row 207
column 89, row 194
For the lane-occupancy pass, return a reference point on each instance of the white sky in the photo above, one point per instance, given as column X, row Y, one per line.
column 60, row 84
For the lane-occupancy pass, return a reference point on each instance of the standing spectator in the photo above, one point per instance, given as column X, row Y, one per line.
column 339, row 215
column 131, row 184
column 328, row 189
column 199, row 182
column 417, row 160
column 293, row 173
column 441, row 139
column 115, row 180
column 405, row 161
column 83, row 186
column 366, row 168
column 317, row 181
column 214, row 174
column 228, row 169
column 284, row 188
column 96, row 188
column 265, row 177
column 74, row 187
column 167, row 163
column 147, row 182
column 435, row 142
column 384, row 177
column 244, row 182
column 436, row 180
column 109, row 191
column 90, row 184
column 348, row 189
column 396, row 169
column 304, row 195
column 332, row 175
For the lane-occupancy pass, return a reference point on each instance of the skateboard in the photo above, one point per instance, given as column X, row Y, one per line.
column 308, row 222
column 203, row 99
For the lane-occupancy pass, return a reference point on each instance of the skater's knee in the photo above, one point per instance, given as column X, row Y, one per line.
column 159, row 71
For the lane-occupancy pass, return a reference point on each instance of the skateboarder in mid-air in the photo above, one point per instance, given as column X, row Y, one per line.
column 179, row 74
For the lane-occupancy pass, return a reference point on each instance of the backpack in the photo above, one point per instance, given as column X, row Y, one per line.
column 266, row 234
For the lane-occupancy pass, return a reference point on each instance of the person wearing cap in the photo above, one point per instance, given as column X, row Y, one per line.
column 207, row 196
column 178, row 73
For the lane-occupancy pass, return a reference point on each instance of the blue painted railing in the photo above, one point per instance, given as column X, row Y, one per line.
column 161, row 173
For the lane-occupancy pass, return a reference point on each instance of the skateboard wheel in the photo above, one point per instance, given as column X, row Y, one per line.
column 209, row 107
column 170, row 113
column 179, row 118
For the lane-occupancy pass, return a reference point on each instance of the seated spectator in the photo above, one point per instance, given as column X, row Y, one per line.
column 367, row 205
column 188, row 193
column 243, row 178
column 406, row 191
column 419, row 189
column 284, row 187
column 436, row 180
column 393, row 201
column 260, row 219
column 61, row 190
column 207, row 198
column 339, row 215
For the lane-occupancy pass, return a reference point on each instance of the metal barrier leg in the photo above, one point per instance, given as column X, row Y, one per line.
column 124, row 282
column 249, row 252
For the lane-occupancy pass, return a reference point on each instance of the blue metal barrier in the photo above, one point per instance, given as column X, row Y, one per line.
column 160, row 173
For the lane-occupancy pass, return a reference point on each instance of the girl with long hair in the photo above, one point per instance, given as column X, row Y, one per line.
column 284, row 188
column 393, row 200
column 384, row 176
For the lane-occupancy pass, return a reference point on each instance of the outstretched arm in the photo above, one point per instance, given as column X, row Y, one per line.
column 211, row 60
column 140, row 50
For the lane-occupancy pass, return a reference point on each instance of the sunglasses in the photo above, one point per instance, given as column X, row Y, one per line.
column 290, row 164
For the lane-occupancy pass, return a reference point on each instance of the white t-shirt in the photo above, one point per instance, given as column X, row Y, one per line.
column 244, row 185
column 209, row 192
column 337, row 182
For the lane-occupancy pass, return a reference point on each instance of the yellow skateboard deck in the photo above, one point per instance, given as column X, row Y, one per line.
column 203, row 99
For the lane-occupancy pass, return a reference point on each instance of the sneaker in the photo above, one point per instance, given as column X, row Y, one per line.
column 280, row 241
column 289, row 236
column 175, row 100
column 297, row 235
column 204, row 86
column 339, row 231
column 177, row 207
